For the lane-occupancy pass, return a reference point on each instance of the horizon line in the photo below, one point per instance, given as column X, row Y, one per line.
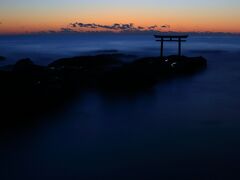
column 51, row 32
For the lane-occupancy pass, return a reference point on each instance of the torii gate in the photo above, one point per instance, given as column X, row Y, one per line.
column 169, row 38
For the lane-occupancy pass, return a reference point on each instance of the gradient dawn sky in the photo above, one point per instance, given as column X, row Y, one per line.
column 20, row 16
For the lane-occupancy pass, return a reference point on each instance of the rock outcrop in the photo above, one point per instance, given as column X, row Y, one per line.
column 2, row 58
column 29, row 90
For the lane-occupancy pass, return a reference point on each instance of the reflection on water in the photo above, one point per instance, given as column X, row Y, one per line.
column 185, row 128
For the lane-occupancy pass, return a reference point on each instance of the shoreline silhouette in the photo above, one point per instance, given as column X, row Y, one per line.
column 28, row 90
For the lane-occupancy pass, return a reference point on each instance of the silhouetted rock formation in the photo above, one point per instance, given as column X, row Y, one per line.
column 29, row 90
column 109, row 72
column 2, row 58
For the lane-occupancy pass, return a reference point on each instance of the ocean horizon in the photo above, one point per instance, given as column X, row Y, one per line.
column 45, row 48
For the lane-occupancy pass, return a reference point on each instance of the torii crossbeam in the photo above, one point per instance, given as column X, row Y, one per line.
column 173, row 38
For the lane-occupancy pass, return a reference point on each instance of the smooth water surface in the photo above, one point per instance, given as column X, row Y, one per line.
column 184, row 128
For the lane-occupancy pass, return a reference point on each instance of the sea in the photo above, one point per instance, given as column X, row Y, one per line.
column 183, row 128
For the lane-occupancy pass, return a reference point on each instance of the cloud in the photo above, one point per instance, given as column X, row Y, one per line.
column 117, row 27
column 141, row 28
column 51, row 31
column 153, row 27
column 114, row 27
column 165, row 26
column 65, row 30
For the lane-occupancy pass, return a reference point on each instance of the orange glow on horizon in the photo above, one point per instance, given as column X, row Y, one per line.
column 28, row 16
column 179, row 21
column 178, row 27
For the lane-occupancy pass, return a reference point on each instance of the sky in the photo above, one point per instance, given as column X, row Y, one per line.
column 26, row 16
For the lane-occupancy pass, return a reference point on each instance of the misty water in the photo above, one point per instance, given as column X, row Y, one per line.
column 187, row 127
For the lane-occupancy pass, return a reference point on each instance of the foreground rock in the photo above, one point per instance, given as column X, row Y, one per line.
column 2, row 58
column 109, row 72
column 29, row 90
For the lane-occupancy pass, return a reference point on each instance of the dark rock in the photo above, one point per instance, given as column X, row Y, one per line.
column 27, row 66
column 2, row 58
column 187, row 64
column 108, row 71
column 87, row 61
column 23, row 65
column 29, row 90
column 148, row 71
column 110, row 51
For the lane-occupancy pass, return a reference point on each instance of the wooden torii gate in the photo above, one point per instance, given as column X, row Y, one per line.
column 173, row 38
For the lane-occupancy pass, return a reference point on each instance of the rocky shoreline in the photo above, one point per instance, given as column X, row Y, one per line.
column 28, row 89
column 2, row 58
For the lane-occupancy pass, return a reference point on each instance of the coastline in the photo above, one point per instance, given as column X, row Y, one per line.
column 29, row 90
